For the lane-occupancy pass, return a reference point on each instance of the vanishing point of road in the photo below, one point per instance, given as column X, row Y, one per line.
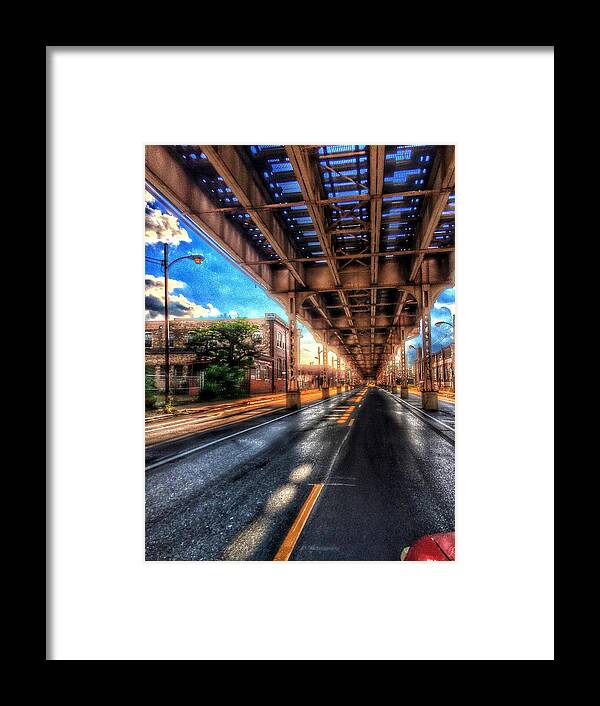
column 358, row 476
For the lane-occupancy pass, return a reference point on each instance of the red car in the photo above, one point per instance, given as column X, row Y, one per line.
column 432, row 547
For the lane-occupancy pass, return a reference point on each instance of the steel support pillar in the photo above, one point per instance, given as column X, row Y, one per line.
column 293, row 389
column 325, row 387
column 403, row 368
column 429, row 398
column 395, row 386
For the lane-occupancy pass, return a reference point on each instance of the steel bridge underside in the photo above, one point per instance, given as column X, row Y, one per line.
column 355, row 241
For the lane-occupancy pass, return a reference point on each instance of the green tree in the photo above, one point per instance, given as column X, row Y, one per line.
column 235, row 343
column 150, row 387
column 229, row 348
column 221, row 382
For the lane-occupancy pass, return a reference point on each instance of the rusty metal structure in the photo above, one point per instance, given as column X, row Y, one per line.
column 355, row 241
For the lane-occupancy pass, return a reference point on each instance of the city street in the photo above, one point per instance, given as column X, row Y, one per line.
column 192, row 419
column 355, row 477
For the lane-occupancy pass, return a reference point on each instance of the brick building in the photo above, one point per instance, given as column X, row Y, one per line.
column 267, row 375
column 443, row 367
column 442, row 364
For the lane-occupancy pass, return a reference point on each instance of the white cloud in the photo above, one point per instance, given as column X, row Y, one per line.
column 450, row 306
column 148, row 198
column 180, row 307
column 161, row 227
column 233, row 314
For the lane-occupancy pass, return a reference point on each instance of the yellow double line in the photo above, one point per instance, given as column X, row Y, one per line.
column 287, row 547
column 285, row 550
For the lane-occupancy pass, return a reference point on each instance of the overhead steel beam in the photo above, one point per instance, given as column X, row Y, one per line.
column 308, row 179
column 352, row 288
column 442, row 182
column 356, row 256
column 340, row 155
column 323, row 202
column 168, row 176
column 238, row 176
column 376, row 165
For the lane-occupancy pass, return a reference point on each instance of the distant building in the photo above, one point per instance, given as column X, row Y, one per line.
column 310, row 376
column 267, row 374
column 442, row 367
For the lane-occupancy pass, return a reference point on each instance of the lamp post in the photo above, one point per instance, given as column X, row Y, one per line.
column 165, row 264
column 318, row 359
column 416, row 362
column 440, row 323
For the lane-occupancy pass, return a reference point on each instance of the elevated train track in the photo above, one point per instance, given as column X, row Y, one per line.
column 356, row 241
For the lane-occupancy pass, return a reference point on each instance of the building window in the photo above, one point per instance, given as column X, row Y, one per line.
column 148, row 339
column 279, row 368
column 257, row 373
column 171, row 342
column 279, row 339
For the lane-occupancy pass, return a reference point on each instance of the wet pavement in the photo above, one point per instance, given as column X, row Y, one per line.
column 234, row 493
column 393, row 483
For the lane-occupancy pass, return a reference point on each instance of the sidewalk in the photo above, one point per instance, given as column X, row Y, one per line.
column 202, row 416
column 196, row 407
column 446, row 395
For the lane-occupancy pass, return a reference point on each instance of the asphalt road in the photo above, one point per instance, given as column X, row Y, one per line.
column 387, row 473
column 444, row 413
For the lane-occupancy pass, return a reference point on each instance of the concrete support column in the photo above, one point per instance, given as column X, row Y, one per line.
column 293, row 389
column 429, row 398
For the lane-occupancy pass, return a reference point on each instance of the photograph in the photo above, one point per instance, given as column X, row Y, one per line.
column 304, row 460
column 299, row 355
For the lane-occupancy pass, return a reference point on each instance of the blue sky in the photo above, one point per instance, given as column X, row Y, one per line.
column 217, row 288
column 442, row 310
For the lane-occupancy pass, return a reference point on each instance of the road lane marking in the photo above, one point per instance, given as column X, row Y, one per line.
column 287, row 547
column 351, row 422
column 420, row 411
column 182, row 454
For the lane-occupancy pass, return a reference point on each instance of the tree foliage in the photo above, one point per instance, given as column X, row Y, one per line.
column 150, row 387
column 235, row 343
column 222, row 382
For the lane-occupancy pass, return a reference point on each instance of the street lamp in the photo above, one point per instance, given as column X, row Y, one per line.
column 439, row 323
column 165, row 264
column 320, row 373
column 410, row 345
